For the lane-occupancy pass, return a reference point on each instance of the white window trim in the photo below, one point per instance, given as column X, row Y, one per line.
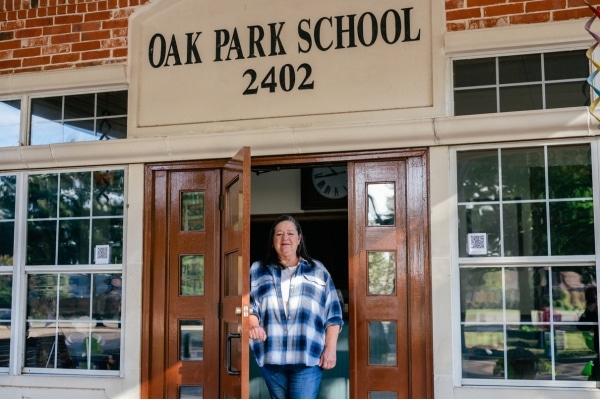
column 19, row 289
column 457, row 261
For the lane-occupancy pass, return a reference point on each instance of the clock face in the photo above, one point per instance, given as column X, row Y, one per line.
column 330, row 182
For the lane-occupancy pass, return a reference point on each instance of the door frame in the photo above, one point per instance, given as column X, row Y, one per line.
column 152, row 377
column 420, row 356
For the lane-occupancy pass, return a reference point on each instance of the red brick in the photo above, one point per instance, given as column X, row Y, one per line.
column 507, row 9
column 453, row 4
column 10, row 45
column 122, row 53
column 30, row 52
column 95, row 55
column 463, row 14
column 87, row 26
column 530, row 18
column 545, row 5
column 65, row 58
column 35, row 61
column 56, row 49
column 95, row 35
column 39, row 22
column 85, row 46
column 68, row 19
column 66, row 38
column 480, row 3
column 13, row 63
column 97, row 16
column 28, row 33
column 56, row 30
column 573, row 13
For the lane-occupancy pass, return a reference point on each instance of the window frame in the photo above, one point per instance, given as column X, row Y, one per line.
column 507, row 262
column 20, row 272
column 497, row 85
column 25, row 117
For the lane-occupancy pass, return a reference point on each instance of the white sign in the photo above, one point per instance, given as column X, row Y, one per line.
column 223, row 60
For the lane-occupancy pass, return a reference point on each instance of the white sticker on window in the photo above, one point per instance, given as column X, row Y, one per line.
column 476, row 244
column 102, row 254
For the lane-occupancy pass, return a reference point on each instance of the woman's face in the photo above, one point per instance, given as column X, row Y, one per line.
column 286, row 239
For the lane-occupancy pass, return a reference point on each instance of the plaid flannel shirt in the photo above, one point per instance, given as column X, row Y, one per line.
column 313, row 305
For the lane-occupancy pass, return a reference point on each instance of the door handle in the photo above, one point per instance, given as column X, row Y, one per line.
column 230, row 336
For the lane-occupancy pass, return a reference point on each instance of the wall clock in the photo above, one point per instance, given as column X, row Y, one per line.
column 324, row 187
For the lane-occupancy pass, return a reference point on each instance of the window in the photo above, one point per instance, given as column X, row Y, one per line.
column 71, row 230
column 64, row 119
column 521, row 82
column 527, row 264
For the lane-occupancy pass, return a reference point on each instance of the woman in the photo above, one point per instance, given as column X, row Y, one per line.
column 295, row 316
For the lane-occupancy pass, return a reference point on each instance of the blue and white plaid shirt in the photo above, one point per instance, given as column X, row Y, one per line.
column 299, row 337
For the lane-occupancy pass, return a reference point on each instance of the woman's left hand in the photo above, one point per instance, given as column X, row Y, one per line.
column 328, row 357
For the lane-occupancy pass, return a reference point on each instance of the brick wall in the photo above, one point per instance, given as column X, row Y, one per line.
column 41, row 35
column 477, row 14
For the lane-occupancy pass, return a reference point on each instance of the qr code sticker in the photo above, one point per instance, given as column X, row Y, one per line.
column 477, row 244
column 102, row 254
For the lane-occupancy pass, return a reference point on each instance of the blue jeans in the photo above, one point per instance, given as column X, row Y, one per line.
column 292, row 381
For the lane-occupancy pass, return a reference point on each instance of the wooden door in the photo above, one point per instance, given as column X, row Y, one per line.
column 181, row 283
column 235, row 278
column 196, row 279
column 389, row 281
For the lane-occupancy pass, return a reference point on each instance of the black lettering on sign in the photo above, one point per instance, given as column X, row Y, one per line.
column 285, row 79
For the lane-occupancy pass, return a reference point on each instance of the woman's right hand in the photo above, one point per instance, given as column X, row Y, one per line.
column 258, row 333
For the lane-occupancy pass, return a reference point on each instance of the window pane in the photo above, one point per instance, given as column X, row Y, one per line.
column 477, row 175
column 109, row 231
column 5, row 318
column 75, row 194
column 233, row 274
column 47, row 108
column 382, row 343
column 519, row 69
column 41, row 243
column 112, row 103
column 383, row 395
column 192, row 275
column 481, row 294
column 10, row 122
column 79, row 106
column 45, row 132
column 233, row 205
column 41, row 297
column 572, row 228
column 482, row 348
column 381, row 200
column 521, row 98
column 566, row 65
column 191, row 337
column 111, row 128
column 381, row 272
column 7, row 197
column 523, row 174
column 525, row 229
column 109, row 195
column 475, row 101
column 77, row 131
column 527, row 356
column 475, row 72
column 73, row 244
column 192, row 211
column 107, row 295
column 567, row 94
column 43, row 193
column 191, row 392
column 570, row 171
column 479, row 219
column 74, row 297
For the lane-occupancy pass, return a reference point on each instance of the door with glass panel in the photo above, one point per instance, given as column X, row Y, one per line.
column 196, row 271
column 389, row 279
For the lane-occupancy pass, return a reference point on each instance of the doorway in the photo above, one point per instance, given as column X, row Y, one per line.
column 375, row 246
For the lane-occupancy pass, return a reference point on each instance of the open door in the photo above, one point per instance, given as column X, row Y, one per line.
column 235, row 267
